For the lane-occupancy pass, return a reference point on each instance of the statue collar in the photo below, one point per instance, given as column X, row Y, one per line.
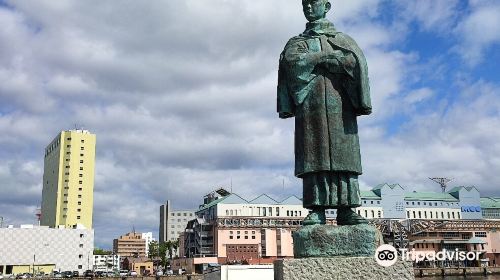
column 320, row 27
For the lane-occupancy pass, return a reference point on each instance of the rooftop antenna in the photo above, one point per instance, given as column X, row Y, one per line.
column 38, row 214
column 231, row 184
column 283, row 182
column 442, row 182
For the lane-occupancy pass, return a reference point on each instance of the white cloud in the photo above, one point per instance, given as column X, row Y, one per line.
column 181, row 95
column 479, row 31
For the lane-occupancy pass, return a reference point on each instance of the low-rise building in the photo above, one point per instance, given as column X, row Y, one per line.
column 490, row 207
column 141, row 265
column 237, row 230
column 106, row 262
column 41, row 249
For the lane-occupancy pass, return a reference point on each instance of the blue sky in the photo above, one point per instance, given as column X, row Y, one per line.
column 181, row 95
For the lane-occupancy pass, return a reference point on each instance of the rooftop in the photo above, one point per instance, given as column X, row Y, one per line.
column 490, row 202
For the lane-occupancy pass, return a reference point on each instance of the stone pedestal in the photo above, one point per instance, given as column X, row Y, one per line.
column 332, row 241
column 340, row 268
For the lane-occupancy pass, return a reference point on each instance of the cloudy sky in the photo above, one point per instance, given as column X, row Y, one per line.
column 182, row 97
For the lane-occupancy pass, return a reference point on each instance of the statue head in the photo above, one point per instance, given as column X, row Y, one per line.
column 315, row 9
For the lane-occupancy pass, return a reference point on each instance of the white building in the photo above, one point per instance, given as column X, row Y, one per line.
column 43, row 249
column 173, row 223
column 106, row 262
column 148, row 237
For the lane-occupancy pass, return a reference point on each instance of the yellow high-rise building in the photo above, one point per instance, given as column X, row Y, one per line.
column 68, row 180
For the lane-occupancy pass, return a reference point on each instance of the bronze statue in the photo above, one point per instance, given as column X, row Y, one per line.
column 323, row 83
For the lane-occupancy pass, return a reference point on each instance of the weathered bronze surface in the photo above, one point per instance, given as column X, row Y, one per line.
column 323, row 83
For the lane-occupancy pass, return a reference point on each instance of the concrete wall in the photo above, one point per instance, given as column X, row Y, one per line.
column 242, row 272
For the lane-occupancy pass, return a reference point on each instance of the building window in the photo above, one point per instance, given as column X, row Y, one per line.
column 69, row 138
column 480, row 234
column 80, row 175
column 80, row 182
column 80, row 266
column 81, row 155
column 80, row 189
column 78, row 210
column 80, row 256
column 79, row 196
column 78, row 217
column 68, row 146
column 81, row 245
column 81, row 161
column 378, row 201
column 81, row 148
column 81, row 168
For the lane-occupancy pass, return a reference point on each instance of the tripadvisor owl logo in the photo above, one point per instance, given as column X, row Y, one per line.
column 386, row 255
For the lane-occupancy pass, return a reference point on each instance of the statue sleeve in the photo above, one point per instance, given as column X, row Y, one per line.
column 297, row 66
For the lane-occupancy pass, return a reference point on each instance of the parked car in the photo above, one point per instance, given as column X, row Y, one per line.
column 123, row 273
column 76, row 273
column 67, row 274
column 88, row 273
column 132, row 273
column 24, row 276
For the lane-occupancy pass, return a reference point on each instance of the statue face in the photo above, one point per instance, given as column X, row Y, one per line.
column 315, row 9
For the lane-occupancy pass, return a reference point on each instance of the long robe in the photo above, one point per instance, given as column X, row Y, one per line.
column 325, row 99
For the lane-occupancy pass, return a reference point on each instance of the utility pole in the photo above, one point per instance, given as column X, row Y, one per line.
column 442, row 182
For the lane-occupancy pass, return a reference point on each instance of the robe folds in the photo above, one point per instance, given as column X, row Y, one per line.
column 325, row 98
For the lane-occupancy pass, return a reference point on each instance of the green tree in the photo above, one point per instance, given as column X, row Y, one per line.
column 99, row 251
column 153, row 250
column 162, row 253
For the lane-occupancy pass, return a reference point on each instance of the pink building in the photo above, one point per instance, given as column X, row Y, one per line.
column 236, row 230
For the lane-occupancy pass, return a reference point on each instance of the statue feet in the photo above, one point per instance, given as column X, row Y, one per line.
column 316, row 217
column 346, row 216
